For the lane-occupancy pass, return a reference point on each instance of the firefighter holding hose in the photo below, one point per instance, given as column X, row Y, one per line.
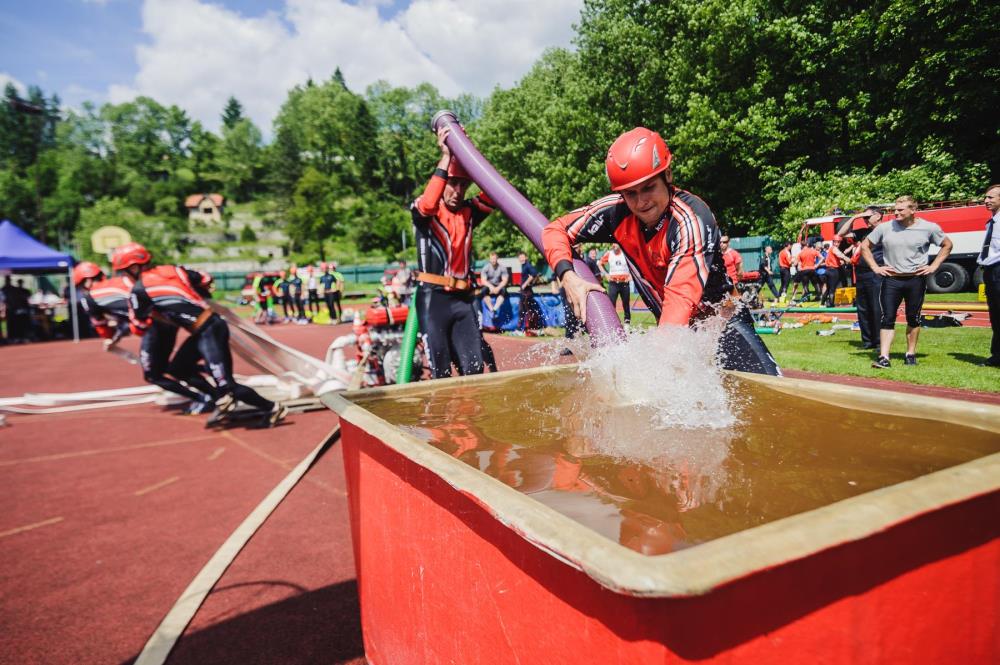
column 443, row 222
column 671, row 241
column 175, row 297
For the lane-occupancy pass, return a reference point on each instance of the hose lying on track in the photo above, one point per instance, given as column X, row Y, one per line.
column 165, row 636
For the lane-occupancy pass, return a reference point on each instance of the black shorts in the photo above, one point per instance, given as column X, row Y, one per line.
column 899, row 289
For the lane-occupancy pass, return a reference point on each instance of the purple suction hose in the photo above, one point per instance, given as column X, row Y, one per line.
column 603, row 323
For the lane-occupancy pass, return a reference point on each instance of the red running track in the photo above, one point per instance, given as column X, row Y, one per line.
column 106, row 516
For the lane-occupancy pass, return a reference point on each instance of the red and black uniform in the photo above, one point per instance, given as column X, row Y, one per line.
column 444, row 247
column 178, row 297
column 677, row 266
column 107, row 300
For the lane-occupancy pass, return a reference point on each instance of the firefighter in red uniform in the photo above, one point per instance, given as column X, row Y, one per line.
column 443, row 222
column 176, row 296
column 106, row 301
column 671, row 240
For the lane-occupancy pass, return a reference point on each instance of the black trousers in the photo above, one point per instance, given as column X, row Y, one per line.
column 869, row 307
column 333, row 304
column 902, row 289
column 213, row 345
column 450, row 329
column 832, row 282
column 769, row 281
column 154, row 357
column 991, row 278
column 742, row 349
column 786, row 277
column 621, row 289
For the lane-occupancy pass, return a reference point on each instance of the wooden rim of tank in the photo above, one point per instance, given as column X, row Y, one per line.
column 700, row 569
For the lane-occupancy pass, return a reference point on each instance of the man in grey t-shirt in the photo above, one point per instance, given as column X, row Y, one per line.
column 494, row 280
column 906, row 243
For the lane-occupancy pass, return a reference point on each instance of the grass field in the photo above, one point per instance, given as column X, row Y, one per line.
column 945, row 356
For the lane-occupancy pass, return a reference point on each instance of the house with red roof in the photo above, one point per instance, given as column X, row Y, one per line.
column 205, row 207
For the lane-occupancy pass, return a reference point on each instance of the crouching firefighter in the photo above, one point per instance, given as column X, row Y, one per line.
column 176, row 297
column 106, row 302
column 671, row 244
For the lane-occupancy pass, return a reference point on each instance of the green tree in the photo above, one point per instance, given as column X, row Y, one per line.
column 232, row 113
column 240, row 160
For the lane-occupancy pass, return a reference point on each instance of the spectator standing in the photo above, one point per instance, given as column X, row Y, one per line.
column 283, row 292
column 766, row 269
column 906, row 243
column 494, row 279
column 312, row 289
column 806, row 261
column 529, row 317
column 618, row 280
column 333, row 287
column 18, row 310
column 989, row 259
column 785, row 267
column 835, row 259
column 443, row 223
column 732, row 259
column 593, row 263
column 295, row 290
column 868, row 283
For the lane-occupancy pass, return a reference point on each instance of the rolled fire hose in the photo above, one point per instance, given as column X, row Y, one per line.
column 603, row 323
column 405, row 371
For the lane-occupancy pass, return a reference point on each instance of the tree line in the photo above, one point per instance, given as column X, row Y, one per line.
column 775, row 111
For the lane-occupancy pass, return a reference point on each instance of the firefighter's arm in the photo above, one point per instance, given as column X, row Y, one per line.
column 140, row 315
column 684, row 284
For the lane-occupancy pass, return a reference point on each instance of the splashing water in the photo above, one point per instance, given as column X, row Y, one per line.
column 671, row 371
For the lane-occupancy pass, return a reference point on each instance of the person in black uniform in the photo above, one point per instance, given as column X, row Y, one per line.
column 176, row 297
column 868, row 283
column 443, row 221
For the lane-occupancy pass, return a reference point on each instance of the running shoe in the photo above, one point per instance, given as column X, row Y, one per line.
column 277, row 414
column 909, row 359
column 881, row 363
column 225, row 403
column 200, row 407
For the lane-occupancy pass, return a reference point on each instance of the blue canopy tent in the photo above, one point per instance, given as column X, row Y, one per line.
column 19, row 252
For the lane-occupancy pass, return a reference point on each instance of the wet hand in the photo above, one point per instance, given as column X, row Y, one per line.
column 577, row 290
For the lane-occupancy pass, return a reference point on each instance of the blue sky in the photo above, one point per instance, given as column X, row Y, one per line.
column 194, row 52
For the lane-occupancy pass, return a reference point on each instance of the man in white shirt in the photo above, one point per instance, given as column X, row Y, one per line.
column 616, row 267
column 989, row 259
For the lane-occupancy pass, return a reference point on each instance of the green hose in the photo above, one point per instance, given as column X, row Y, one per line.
column 403, row 374
column 767, row 331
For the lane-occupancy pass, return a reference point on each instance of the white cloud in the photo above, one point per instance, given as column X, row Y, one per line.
column 6, row 78
column 200, row 53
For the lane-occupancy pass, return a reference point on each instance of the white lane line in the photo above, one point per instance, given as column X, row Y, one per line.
column 29, row 527
column 151, row 488
column 215, row 455
column 101, row 451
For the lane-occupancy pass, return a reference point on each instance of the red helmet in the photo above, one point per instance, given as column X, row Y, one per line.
column 86, row 270
column 635, row 156
column 130, row 254
column 456, row 170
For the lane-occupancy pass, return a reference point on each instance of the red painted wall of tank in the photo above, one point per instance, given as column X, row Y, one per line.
column 442, row 581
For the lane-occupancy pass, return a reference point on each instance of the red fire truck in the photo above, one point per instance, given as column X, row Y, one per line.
column 963, row 221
